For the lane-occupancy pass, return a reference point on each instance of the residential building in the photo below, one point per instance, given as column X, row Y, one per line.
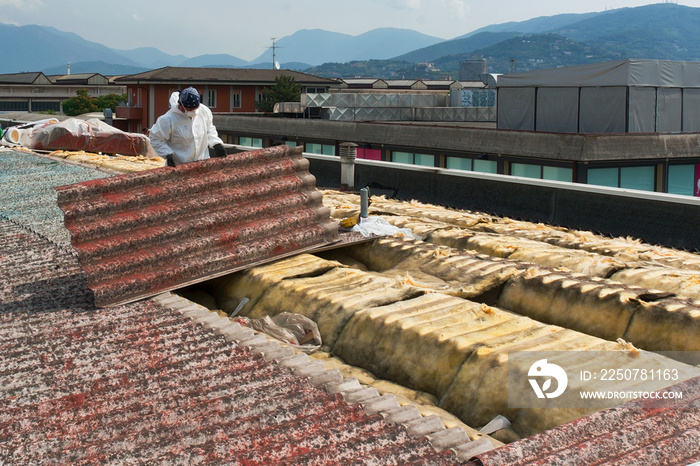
column 223, row 90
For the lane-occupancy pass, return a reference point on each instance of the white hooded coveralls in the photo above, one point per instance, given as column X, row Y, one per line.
column 188, row 139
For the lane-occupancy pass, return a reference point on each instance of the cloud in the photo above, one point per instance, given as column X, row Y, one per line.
column 458, row 8
column 22, row 4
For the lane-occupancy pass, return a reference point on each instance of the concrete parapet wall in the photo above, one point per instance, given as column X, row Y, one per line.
column 447, row 137
column 656, row 218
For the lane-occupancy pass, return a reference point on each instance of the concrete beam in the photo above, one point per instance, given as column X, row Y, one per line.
column 449, row 137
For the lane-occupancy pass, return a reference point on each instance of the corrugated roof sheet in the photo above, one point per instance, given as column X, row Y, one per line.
column 630, row 434
column 142, row 383
column 79, row 385
column 164, row 381
column 143, row 233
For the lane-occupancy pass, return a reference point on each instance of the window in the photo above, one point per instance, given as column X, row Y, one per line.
column 526, row 170
column 426, row 160
column 603, row 177
column 14, row 106
column 236, row 99
column 640, row 178
column 45, row 106
column 402, row 157
column 316, row 148
column 458, row 163
column 485, row 166
column 211, row 98
column 250, row 142
column 477, row 165
column 557, row 173
column 543, row 172
column 681, row 179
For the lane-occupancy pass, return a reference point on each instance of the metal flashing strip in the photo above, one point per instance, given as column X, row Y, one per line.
column 143, row 233
column 416, row 425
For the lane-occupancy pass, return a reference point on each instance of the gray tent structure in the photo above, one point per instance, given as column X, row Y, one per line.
column 623, row 96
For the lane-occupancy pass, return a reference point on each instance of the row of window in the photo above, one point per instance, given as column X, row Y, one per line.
column 36, row 106
column 236, row 96
column 682, row 179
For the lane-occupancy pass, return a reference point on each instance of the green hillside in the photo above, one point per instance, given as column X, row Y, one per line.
column 532, row 52
column 662, row 31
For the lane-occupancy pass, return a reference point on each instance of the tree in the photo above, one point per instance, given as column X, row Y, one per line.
column 83, row 103
column 286, row 89
column 110, row 101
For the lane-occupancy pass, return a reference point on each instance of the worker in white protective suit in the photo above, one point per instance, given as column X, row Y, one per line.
column 186, row 131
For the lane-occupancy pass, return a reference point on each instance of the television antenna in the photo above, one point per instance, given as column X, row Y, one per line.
column 275, row 63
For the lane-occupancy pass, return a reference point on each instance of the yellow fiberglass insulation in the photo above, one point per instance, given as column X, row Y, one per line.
column 447, row 346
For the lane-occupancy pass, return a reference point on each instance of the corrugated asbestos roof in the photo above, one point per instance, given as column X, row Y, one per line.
column 630, row 433
column 143, row 233
column 143, row 383
column 165, row 381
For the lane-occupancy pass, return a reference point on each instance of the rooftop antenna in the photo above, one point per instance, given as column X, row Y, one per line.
column 274, row 48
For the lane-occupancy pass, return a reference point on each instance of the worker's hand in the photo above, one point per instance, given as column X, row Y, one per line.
column 219, row 150
column 169, row 160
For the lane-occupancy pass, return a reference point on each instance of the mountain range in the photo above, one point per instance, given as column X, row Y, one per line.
column 658, row 31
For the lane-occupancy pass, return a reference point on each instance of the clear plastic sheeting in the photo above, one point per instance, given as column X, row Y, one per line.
column 377, row 226
column 295, row 329
column 74, row 134
column 20, row 135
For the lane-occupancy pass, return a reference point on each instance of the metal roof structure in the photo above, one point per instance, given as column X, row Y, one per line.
column 24, row 78
column 144, row 233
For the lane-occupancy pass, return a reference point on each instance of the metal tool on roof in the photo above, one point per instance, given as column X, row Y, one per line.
column 144, row 233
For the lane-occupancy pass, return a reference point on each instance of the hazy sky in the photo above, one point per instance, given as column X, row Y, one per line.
column 245, row 28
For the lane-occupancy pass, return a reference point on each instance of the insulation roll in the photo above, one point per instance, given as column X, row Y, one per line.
column 252, row 284
column 573, row 260
column 670, row 324
column 330, row 299
column 417, row 342
column 594, row 306
column 684, row 283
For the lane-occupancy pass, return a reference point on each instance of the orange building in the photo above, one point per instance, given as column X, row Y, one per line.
column 223, row 90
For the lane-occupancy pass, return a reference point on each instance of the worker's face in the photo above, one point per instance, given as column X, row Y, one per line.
column 189, row 112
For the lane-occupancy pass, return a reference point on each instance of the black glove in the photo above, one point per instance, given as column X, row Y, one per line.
column 169, row 160
column 219, row 150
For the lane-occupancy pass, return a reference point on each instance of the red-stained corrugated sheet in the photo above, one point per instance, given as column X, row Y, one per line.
column 628, row 434
column 141, row 383
column 143, row 233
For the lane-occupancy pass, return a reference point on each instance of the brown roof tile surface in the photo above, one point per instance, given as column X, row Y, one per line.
column 222, row 75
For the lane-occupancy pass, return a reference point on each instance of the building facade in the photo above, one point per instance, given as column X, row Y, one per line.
column 223, row 90
column 36, row 92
